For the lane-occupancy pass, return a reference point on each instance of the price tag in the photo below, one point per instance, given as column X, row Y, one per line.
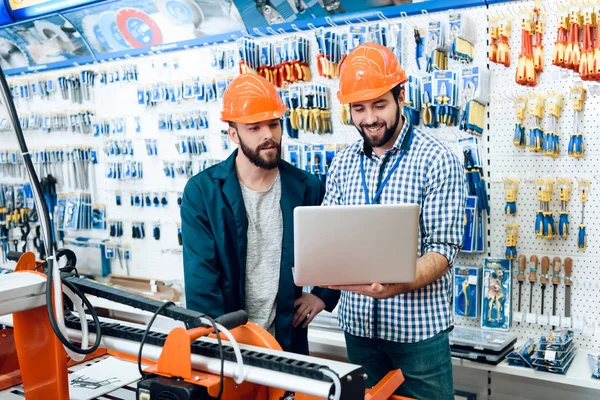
column 543, row 320
column 594, row 90
column 566, row 322
column 518, row 317
column 555, row 320
column 472, row 280
column 531, row 318
column 588, row 330
column 578, row 323
column 550, row 355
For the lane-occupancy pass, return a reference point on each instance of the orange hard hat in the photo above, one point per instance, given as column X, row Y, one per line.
column 249, row 99
column 369, row 71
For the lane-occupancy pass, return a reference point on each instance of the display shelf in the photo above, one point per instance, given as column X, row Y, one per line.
column 325, row 342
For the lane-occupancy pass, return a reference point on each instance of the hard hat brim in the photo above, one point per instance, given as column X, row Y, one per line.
column 367, row 95
column 255, row 118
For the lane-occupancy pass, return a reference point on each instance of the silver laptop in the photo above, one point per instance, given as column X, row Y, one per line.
column 362, row 244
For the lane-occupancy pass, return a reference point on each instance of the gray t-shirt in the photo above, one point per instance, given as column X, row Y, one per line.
column 263, row 259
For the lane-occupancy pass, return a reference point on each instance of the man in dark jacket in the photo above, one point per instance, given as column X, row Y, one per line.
column 237, row 223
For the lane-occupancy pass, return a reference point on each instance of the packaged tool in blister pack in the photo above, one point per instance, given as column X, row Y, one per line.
column 467, row 285
column 470, row 224
column 329, row 56
column 412, row 102
column 461, row 37
column 473, row 232
column 521, row 356
column 558, row 340
column 473, row 164
column 445, row 97
column 430, row 119
column 436, row 47
column 474, row 97
column 395, row 42
column 496, row 294
column 559, row 360
column 594, row 361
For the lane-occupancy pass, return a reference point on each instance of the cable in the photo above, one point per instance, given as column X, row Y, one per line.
column 95, row 319
column 218, row 334
column 240, row 376
column 158, row 311
column 336, row 382
column 83, row 319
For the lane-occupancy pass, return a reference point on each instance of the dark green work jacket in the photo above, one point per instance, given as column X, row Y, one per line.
column 214, row 229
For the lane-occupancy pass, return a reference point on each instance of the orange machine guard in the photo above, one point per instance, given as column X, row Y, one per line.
column 175, row 361
column 42, row 359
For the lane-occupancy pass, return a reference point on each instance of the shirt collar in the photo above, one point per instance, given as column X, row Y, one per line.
column 401, row 142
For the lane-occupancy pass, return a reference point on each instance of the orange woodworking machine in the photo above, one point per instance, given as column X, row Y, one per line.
column 227, row 358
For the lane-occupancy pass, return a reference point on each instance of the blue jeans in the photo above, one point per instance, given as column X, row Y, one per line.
column 426, row 365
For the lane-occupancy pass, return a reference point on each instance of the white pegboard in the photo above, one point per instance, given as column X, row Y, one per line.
column 501, row 158
column 506, row 160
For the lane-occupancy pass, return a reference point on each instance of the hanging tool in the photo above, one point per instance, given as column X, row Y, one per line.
column 475, row 182
column 542, row 198
column 526, row 74
column 520, row 110
column 535, row 107
column 576, row 145
column 503, row 54
column 544, row 222
column 494, row 29
column 584, row 190
column 551, row 142
column 418, row 35
column 565, row 186
column 586, row 66
column 594, row 66
column 549, row 230
column 568, row 283
column 532, row 278
column 521, row 277
column 544, row 278
column 512, row 231
column 538, row 30
column 556, row 267
column 572, row 49
column 558, row 56
column 511, row 187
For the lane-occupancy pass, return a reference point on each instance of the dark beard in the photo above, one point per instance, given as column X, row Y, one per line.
column 389, row 133
column 255, row 157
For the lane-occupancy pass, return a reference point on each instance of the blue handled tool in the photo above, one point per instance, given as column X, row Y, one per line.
column 511, row 186
column 565, row 185
column 584, row 189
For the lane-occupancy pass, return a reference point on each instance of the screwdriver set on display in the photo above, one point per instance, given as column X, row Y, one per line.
column 550, row 273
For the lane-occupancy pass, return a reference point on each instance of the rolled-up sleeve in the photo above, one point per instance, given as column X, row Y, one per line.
column 443, row 207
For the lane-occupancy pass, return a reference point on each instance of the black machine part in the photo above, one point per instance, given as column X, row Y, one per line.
column 161, row 388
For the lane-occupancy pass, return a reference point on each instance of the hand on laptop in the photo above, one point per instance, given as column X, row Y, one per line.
column 375, row 290
column 307, row 307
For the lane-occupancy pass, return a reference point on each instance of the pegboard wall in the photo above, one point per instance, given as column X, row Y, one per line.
column 162, row 259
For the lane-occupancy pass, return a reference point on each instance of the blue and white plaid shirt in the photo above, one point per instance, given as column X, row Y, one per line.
column 431, row 175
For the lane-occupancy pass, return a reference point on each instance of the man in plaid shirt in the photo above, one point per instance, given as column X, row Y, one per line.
column 399, row 326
